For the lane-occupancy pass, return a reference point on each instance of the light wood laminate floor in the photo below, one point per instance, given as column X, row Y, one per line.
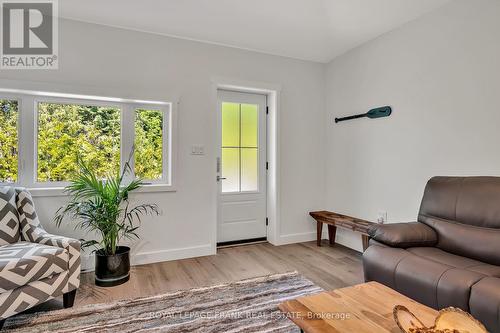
column 328, row 267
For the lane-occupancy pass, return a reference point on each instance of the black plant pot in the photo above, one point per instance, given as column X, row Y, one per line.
column 112, row 270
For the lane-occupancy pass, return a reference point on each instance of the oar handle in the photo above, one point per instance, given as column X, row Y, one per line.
column 361, row 115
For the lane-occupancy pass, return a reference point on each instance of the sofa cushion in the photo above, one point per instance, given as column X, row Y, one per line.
column 24, row 262
column 453, row 260
column 465, row 240
column 485, row 303
column 423, row 274
column 9, row 219
column 486, row 269
column 469, row 201
column 417, row 278
column 438, row 255
column 453, row 288
column 379, row 263
column 465, row 213
column 434, row 283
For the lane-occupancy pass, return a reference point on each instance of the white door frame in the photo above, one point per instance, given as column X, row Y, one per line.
column 243, row 213
column 272, row 91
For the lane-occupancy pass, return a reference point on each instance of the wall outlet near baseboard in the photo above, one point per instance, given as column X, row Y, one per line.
column 382, row 217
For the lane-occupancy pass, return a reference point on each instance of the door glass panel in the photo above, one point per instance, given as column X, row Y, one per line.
column 231, row 169
column 240, row 136
column 230, row 125
column 249, row 125
column 249, row 169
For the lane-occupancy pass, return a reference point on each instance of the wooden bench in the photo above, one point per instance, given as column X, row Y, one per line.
column 334, row 220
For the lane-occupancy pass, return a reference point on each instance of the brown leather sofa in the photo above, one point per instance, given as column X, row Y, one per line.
column 451, row 256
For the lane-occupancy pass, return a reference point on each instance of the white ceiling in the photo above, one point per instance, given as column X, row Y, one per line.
column 317, row 30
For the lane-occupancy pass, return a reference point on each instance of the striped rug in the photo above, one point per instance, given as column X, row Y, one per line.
column 243, row 306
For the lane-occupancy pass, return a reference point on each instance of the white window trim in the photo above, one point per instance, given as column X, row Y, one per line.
column 28, row 136
column 166, row 156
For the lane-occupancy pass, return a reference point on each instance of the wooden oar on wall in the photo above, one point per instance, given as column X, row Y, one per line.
column 384, row 111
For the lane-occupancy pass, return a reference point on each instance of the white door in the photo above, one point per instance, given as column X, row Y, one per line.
column 241, row 167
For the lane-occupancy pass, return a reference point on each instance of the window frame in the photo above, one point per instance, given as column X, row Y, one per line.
column 55, row 100
column 27, row 127
column 13, row 97
column 166, row 146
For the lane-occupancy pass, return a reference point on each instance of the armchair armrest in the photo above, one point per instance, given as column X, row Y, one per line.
column 404, row 235
column 72, row 245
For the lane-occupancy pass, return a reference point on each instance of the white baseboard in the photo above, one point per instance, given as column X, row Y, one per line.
column 299, row 237
column 157, row 256
column 172, row 254
column 347, row 239
column 142, row 258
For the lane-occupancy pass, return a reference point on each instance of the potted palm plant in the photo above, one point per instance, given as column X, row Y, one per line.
column 102, row 206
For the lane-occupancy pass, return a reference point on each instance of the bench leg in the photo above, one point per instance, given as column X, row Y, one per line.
column 319, row 232
column 332, row 231
column 366, row 240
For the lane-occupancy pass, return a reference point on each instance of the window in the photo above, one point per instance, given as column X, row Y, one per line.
column 66, row 130
column 105, row 132
column 9, row 116
column 240, row 151
column 148, row 144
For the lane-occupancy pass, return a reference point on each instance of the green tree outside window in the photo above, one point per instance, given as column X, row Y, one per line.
column 8, row 141
column 149, row 144
column 66, row 130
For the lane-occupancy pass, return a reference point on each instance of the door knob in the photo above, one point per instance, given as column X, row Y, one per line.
column 219, row 178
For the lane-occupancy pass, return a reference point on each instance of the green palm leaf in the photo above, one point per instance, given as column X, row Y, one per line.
column 101, row 206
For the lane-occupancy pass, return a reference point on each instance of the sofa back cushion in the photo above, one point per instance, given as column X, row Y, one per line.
column 465, row 212
column 9, row 218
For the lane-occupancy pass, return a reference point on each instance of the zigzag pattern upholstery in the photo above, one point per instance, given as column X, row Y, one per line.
column 38, row 266
column 25, row 262
column 32, row 231
column 9, row 219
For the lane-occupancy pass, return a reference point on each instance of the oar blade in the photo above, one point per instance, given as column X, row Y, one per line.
column 383, row 111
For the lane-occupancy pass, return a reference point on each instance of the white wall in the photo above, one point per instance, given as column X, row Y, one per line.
column 441, row 75
column 106, row 61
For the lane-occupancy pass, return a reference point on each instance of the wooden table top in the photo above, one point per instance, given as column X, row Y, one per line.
column 364, row 308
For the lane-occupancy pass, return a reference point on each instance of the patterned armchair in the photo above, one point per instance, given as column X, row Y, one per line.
column 35, row 266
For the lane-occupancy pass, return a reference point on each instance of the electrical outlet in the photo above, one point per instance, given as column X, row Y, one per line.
column 197, row 150
column 382, row 217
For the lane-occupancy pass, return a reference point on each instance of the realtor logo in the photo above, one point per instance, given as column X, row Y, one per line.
column 29, row 34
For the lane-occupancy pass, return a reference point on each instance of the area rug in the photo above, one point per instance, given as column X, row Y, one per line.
column 244, row 306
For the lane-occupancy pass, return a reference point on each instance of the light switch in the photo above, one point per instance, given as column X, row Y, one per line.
column 197, row 150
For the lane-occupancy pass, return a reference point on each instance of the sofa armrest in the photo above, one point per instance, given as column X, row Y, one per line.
column 404, row 235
